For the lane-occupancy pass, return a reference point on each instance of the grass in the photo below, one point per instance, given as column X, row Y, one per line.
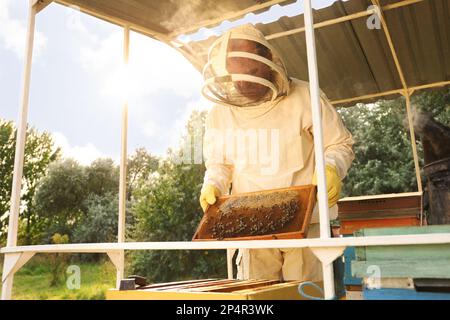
column 32, row 281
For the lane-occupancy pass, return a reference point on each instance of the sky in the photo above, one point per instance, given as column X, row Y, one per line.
column 76, row 79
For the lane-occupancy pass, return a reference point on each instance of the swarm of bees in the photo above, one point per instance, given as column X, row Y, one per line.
column 253, row 215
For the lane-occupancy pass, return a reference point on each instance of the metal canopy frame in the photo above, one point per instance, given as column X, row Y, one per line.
column 327, row 249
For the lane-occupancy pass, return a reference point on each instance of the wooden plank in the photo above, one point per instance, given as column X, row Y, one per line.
column 408, row 252
column 349, row 256
column 398, row 269
column 380, row 207
column 282, row 291
column 353, row 288
column 404, row 231
column 170, row 295
column 379, row 214
column 353, row 295
column 229, row 287
column 254, row 244
column 244, row 286
column 186, row 286
column 265, row 291
column 349, row 227
column 391, row 283
column 184, row 282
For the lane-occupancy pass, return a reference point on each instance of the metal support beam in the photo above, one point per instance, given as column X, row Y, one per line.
column 391, row 44
column 318, row 144
column 20, row 147
column 11, row 264
column 419, row 239
column 391, row 92
column 117, row 260
column 406, row 92
column 328, row 255
column 120, row 257
column 321, row 24
column 349, row 17
column 14, row 261
column 413, row 140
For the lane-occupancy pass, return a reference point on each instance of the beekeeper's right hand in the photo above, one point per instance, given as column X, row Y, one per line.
column 208, row 196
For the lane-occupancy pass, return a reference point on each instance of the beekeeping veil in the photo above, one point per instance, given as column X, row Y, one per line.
column 246, row 85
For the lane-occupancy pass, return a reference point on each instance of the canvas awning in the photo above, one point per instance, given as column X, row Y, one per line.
column 170, row 18
column 356, row 64
column 355, row 61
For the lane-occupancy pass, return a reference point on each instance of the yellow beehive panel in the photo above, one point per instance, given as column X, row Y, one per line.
column 218, row 290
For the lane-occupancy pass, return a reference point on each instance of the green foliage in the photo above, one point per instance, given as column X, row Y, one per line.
column 102, row 177
column 436, row 102
column 139, row 168
column 58, row 261
column 32, row 281
column 73, row 198
column 60, row 198
column 383, row 155
column 383, row 159
column 167, row 209
column 100, row 222
column 81, row 202
column 39, row 153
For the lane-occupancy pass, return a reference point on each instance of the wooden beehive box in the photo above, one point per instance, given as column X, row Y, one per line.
column 270, row 214
column 403, row 261
column 215, row 289
column 389, row 210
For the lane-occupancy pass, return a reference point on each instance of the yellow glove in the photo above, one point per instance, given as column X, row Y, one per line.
column 208, row 196
column 333, row 184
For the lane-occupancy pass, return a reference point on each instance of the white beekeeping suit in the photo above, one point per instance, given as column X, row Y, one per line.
column 259, row 136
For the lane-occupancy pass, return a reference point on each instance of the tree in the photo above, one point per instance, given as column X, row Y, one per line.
column 60, row 198
column 39, row 153
column 383, row 156
column 140, row 166
column 64, row 195
column 167, row 209
column 102, row 177
column 58, row 261
column 100, row 222
column 436, row 102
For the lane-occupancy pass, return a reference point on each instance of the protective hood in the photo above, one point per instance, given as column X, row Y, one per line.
column 244, row 70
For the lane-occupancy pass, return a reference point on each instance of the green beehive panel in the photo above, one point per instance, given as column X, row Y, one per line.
column 403, row 252
column 402, row 269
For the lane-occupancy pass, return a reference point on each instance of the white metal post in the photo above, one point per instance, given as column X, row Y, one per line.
column 123, row 161
column 318, row 144
column 412, row 136
column 20, row 148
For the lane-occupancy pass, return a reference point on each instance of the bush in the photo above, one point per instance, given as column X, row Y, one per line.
column 101, row 220
column 58, row 261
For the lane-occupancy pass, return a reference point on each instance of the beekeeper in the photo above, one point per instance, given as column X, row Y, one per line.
column 259, row 136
